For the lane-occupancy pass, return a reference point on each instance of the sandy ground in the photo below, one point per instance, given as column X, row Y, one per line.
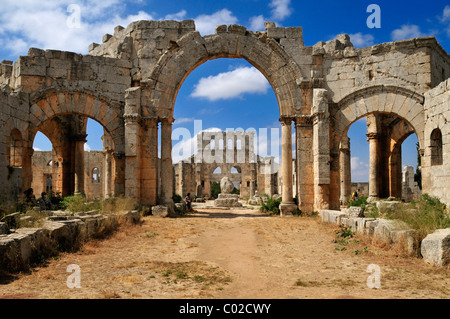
column 230, row 254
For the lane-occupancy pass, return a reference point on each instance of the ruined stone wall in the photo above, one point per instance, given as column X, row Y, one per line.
column 436, row 177
column 142, row 43
column 94, row 162
column 13, row 146
column 42, row 162
column 405, row 64
column 41, row 168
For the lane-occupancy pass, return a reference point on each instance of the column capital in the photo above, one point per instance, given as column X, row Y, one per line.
column 286, row 120
column 150, row 121
column 79, row 138
column 131, row 118
column 303, row 120
column 166, row 120
column 373, row 136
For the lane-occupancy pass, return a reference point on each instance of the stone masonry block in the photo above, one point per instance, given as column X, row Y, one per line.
column 435, row 248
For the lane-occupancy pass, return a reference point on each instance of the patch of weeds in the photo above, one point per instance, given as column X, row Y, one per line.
column 301, row 283
column 271, row 206
column 181, row 274
column 198, row 278
column 345, row 232
column 149, row 234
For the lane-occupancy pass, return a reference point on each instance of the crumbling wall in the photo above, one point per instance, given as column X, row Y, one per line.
column 436, row 177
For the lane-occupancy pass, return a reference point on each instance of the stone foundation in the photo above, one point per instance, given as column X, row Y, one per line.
column 227, row 200
column 24, row 247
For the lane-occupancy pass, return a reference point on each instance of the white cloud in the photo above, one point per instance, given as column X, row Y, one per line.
column 361, row 40
column 206, row 24
column 176, row 16
column 231, row 84
column 87, row 148
column 407, row 31
column 360, row 169
column 445, row 14
column 257, row 23
column 182, row 120
column 280, row 9
column 46, row 24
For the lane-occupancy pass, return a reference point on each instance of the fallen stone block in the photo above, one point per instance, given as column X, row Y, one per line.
column 355, row 211
column 332, row 216
column 131, row 216
column 4, row 229
column 404, row 237
column 384, row 207
column 384, row 229
column 160, row 210
column 435, row 248
column 180, row 207
column 12, row 220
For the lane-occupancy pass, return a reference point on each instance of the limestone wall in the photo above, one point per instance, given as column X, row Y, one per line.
column 42, row 69
column 405, row 63
column 13, row 149
column 435, row 178
column 94, row 188
column 142, row 43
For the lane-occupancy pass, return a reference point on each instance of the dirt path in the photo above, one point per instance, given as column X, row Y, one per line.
column 230, row 254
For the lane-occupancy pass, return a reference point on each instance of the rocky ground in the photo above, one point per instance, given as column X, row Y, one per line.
column 237, row 253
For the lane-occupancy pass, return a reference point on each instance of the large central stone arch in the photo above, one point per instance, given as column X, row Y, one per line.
column 192, row 50
column 159, row 92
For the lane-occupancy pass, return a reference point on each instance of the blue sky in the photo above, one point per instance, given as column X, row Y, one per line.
column 46, row 24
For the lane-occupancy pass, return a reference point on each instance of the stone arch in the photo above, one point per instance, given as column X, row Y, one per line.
column 49, row 107
column 193, row 50
column 51, row 103
column 404, row 103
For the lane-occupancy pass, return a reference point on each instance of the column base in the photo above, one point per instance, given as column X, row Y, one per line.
column 373, row 199
column 171, row 207
column 286, row 209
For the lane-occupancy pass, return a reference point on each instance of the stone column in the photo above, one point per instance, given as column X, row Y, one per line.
column 321, row 150
column 305, row 163
column 107, row 173
column 345, row 169
column 252, row 180
column 374, row 191
column 287, row 205
column 166, row 164
column 78, row 156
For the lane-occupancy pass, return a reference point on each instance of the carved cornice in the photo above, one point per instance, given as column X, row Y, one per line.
column 304, row 120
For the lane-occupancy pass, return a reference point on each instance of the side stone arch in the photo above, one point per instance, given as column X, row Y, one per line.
column 52, row 103
column 193, row 50
column 406, row 104
column 47, row 107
